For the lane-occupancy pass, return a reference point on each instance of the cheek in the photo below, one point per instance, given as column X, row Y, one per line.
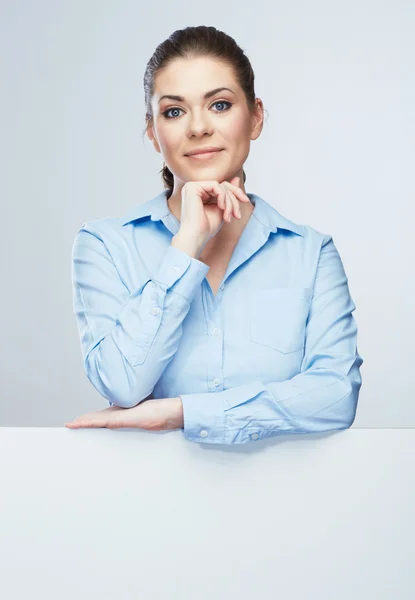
column 168, row 137
column 236, row 128
column 168, row 141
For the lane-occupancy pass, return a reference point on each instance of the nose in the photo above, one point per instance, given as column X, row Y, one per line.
column 199, row 124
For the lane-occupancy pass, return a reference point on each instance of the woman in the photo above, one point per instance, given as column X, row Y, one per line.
column 231, row 329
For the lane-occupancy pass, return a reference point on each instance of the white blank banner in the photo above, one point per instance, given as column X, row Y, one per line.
column 98, row 513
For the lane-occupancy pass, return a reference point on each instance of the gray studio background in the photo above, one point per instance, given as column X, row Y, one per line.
column 336, row 153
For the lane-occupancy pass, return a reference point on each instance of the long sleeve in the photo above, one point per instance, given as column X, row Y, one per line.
column 127, row 340
column 323, row 396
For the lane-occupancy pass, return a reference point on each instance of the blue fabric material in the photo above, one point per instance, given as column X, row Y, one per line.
column 274, row 352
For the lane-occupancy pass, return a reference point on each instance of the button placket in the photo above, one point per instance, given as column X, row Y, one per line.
column 217, row 353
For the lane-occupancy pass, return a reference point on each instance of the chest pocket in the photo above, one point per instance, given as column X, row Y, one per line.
column 277, row 317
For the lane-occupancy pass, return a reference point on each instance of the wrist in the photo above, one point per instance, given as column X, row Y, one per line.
column 173, row 413
column 188, row 244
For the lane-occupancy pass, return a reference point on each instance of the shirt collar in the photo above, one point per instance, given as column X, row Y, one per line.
column 157, row 208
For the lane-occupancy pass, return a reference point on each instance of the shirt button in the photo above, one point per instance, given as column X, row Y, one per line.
column 203, row 433
column 155, row 310
column 175, row 268
column 216, row 381
column 254, row 436
column 216, row 331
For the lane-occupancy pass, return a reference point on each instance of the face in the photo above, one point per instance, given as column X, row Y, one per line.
column 221, row 120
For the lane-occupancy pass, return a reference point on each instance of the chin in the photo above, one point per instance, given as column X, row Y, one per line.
column 213, row 169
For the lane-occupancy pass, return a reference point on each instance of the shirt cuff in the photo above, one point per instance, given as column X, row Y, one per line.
column 204, row 414
column 204, row 417
column 174, row 264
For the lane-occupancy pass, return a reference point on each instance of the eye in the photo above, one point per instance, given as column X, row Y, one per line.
column 165, row 113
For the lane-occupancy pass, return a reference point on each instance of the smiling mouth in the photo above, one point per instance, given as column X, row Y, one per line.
column 204, row 155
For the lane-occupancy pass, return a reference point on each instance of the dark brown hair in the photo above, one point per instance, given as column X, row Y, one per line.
column 192, row 42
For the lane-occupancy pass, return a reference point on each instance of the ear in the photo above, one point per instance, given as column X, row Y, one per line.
column 257, row 119
column 152, row 137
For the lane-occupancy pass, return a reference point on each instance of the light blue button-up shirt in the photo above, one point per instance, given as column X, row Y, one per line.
column 274, row 352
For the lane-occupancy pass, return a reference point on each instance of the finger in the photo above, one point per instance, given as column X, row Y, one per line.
column 214, row 189
column 235, row 200
column 224, row 201
column 227, row 215
column 222, row 197
column 88, row 420
column 83, row 424
column 231, row 206
column 235, row 205
column 239, row 193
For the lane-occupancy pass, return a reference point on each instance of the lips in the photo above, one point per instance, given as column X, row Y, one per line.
column 204, row 157
column 207, row 150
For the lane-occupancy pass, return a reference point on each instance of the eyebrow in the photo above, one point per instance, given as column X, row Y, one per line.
column 205, row 97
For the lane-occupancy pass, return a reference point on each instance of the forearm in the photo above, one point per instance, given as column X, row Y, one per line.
column 173, row 409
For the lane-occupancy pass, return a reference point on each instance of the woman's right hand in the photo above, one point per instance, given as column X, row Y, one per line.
column 207, row 204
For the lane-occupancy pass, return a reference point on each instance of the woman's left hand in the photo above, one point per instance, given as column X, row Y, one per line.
column 153, row 414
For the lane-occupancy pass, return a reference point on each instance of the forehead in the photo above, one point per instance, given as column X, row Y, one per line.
column 192, row 77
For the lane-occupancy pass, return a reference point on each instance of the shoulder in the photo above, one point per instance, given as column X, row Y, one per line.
column 312, row 244
column 102, row 226
column 310, row 235
column 316, row 236
column 304, row 235
column 102, row 237
column 106, row 229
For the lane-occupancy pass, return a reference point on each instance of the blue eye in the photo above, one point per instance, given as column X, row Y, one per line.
column 176, row 108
